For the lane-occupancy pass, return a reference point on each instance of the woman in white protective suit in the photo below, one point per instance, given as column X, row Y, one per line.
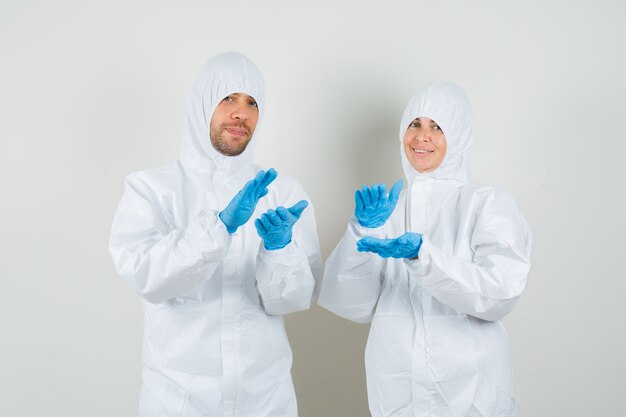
column 435, row 274
column 215, row 288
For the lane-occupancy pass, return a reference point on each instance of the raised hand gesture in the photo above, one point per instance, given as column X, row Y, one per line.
column 275, row 226
column 374, row 205
column 241, row 207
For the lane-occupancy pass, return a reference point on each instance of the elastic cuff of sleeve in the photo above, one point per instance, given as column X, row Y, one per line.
column 359, row 231
column 229, row 230
column 210, row 230
column 286, row 256
column 416, row 265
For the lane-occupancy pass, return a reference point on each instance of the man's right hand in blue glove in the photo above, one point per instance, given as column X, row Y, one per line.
column 241, row 207
column 374, row 206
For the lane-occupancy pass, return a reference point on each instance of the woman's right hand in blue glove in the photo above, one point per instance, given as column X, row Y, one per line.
column 374, row 205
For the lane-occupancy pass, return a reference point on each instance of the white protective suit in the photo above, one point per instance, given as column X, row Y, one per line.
column 436, row 346
column 214, row 338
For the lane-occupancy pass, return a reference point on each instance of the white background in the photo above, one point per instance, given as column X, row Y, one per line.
column 92, row 90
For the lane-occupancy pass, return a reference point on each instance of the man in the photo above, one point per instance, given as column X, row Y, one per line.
column 215, row 287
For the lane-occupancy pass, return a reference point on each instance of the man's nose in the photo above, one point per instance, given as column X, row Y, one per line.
column 240, row 113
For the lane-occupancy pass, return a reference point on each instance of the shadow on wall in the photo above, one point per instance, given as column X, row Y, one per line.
column 371, row 133
column 328, row 367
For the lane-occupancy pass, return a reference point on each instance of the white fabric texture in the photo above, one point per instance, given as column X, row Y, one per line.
column 436, row 346
column 214, row 338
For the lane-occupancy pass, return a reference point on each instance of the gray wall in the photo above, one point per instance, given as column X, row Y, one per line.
column 92, row 90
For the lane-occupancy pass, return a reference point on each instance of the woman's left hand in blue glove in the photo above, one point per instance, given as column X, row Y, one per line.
column 275, row 226
column 405, row 246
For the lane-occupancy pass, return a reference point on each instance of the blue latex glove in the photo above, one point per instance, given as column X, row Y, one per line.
column 275, row 226
column 241, row 207
column 405, row 246
column 374, row 206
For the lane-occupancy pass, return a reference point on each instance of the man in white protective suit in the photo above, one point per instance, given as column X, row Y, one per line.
column 219, row 250
column 435, row 274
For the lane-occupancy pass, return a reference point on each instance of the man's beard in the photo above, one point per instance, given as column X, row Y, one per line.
column 229, row 147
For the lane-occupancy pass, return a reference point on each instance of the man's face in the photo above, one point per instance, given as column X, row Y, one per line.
column 424, row 144
column 233, row 124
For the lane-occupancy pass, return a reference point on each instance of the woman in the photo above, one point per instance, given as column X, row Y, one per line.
column 434, row 275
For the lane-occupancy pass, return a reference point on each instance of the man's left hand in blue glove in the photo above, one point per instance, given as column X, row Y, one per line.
column 405, row 246
column 275, row 226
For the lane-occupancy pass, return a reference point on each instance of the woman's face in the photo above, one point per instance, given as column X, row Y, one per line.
column 424, row 144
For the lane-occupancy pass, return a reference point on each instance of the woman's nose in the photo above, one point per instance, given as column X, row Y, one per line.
column 422, row 136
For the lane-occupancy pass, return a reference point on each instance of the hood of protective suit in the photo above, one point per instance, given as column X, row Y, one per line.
column 222, row 75
column 447, row 105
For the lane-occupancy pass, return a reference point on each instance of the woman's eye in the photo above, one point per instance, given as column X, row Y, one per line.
column 253, row 103
column 413, row 124
column 227, row 98
column 437, row 128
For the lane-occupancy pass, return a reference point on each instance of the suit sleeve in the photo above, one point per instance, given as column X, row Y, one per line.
column 286, row 278
column 161, row 261
column 352, row 279
column 489, row 285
